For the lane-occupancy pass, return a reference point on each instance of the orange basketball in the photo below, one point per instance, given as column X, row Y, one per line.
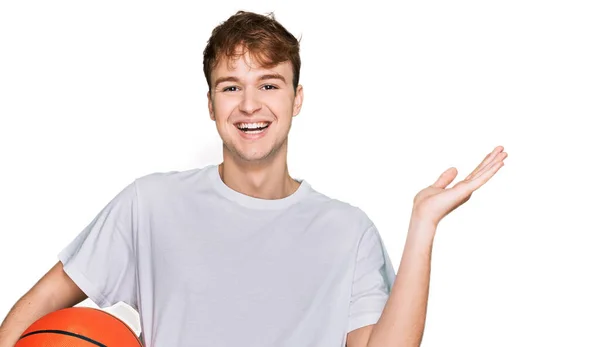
column 79, row 326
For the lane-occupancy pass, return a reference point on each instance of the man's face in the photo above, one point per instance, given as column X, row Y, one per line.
column 253, row 107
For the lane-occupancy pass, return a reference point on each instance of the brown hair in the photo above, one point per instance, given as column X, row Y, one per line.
column 266, row 39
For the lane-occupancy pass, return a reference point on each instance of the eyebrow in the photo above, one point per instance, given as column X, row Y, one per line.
column 270, row 76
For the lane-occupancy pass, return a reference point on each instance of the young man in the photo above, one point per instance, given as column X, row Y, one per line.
column 242, row 254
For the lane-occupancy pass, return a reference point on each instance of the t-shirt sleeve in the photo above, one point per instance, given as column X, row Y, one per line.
column 100, row 259
column 373, row 279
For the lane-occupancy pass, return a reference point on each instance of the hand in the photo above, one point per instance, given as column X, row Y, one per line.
column 436, row 201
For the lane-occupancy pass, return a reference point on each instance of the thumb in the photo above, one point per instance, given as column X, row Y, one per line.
column 446, row 178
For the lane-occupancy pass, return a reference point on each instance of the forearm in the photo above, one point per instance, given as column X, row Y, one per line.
column 52, row 292
column 402, row 321
column 27, row 310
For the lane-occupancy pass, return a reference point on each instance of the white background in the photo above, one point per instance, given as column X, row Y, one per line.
column 95, row 94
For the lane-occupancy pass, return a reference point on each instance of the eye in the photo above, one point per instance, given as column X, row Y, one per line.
column 230, row 89
column 269, row 87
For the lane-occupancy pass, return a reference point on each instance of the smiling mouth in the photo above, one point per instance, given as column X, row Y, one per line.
column 253, row 128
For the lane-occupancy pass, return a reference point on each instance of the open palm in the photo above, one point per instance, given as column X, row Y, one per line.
column 436, row 201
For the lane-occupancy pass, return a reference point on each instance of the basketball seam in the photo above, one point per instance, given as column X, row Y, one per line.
column 62, row 332
column 127, row 326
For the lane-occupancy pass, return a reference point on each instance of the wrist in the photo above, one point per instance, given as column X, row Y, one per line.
column 421, row 229
column 422, row 221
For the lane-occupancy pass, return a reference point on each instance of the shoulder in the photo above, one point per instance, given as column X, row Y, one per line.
column 169, row 182
column 342, row 213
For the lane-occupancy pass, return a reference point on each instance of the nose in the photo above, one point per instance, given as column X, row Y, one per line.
column 250, row 102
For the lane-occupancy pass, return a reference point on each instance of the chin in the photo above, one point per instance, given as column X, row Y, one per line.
column 251, row 156
column 254, row 154
column 255, row 157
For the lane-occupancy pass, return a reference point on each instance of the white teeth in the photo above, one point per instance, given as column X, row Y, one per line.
column 252, row 125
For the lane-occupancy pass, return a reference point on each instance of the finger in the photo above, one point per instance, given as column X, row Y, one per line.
column 498, row 159
column 446, row 178
column 484, row 176
column 488, row 158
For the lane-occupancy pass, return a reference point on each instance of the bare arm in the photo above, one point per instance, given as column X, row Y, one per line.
column 54, row 291
column 402, row 321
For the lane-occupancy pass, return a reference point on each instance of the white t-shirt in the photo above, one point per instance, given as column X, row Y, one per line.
column 205, row 265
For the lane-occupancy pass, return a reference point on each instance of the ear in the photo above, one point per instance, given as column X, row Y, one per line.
column 298, row 99
column 210, row 106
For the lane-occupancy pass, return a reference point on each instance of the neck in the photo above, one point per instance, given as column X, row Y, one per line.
column 269, row 180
